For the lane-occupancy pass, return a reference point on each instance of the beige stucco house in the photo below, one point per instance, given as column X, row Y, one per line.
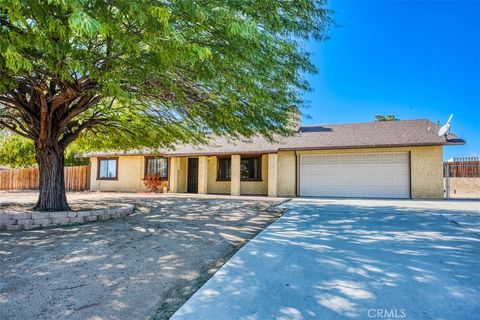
column 394, row 159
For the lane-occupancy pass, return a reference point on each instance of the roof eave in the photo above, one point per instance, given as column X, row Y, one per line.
column 455, row 142
column 225, row 153
column 449, row 142
column 118, row 154
column 364, row 146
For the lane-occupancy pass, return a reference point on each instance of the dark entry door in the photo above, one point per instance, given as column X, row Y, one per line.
column 192, row 183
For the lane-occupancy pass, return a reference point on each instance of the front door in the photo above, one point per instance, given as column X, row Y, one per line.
column 192, row 183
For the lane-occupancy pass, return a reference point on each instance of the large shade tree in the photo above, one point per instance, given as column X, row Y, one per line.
column 121, row 74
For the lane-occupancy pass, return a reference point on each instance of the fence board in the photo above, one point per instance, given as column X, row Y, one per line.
column 462, row 169
column 76, row 179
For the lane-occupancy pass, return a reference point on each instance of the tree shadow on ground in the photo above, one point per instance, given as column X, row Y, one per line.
column 123, row 268
column 328, row 261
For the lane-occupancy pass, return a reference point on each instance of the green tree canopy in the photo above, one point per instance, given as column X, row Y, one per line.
column 16, row 151
column 387, row 117
column 124, row 74
column 19, row 152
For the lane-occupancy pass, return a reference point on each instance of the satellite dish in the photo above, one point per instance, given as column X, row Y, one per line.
column 445, row 129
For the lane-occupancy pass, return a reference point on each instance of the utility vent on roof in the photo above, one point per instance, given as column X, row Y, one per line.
column 315, row 129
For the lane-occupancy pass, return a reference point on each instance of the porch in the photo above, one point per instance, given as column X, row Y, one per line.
column 247, row 174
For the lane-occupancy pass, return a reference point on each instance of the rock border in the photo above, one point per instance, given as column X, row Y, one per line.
column 33, row 220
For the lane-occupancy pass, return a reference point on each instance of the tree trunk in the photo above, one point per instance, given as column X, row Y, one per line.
column 52, row 195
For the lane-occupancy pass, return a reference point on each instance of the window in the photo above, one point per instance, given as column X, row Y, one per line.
column 250, row 169
column 156, row 166
column 107, row 169
column 224, row 169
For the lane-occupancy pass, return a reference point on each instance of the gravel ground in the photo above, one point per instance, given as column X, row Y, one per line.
column 141, row 266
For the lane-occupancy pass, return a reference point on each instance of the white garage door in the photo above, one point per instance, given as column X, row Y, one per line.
column 375, row 175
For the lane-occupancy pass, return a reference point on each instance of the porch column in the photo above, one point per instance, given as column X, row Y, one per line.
column 174, row 165
column 202, row 174
column 235, row 175
column 272, row 174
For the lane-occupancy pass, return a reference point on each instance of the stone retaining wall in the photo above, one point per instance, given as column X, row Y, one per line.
column 12, row 221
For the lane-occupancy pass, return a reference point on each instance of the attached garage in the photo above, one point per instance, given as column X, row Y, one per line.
column 374, row 175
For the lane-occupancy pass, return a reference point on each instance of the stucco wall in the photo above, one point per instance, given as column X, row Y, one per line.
column 246, row 187
column 286, row 174
column 130, row 175
column 257, row 187
column 426, row 173
column 182, row 174
column 426, row 167
column 214, row 186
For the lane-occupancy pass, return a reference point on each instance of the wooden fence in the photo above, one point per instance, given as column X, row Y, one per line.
column 76, row 179
column 462, row 169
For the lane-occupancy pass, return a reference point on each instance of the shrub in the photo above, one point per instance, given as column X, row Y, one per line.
column 153, row 183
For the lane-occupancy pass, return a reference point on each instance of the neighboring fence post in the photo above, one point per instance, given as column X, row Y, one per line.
column 447, row 181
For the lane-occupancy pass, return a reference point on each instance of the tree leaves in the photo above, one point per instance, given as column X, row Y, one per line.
column 202, row 52
column 163, row 72
column 243, row 29
column 388, row 117
column 18, row 152
column 15, row 61
column 161, row 13
column 83, row 24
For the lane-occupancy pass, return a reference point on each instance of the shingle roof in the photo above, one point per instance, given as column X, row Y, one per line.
column 335, row 136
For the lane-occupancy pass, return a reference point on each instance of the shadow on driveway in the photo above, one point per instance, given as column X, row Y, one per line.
column 334, row 261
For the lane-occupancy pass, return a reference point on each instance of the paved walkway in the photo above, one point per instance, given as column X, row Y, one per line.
column 352, row 259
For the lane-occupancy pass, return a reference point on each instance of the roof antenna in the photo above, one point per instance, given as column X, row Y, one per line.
column 445, row 129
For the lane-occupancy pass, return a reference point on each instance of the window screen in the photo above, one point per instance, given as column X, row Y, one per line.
column 250, row 168
column 224, row 169
column 107, row 168
column 157, row 166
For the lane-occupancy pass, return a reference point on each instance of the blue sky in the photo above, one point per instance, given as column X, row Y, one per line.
column 413, row 59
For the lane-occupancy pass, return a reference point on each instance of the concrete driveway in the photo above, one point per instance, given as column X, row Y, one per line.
column 352, row 259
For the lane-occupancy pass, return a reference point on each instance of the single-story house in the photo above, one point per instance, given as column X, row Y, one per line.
column 390, row 159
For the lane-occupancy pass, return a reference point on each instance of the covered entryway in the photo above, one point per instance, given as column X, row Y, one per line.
column 369, row 175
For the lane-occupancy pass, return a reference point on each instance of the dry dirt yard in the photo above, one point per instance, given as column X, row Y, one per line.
column 141, row 266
